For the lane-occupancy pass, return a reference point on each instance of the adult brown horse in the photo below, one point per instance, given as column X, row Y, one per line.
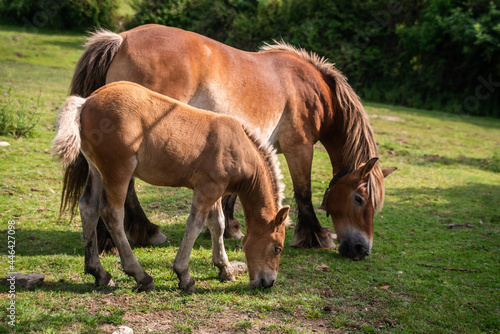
column 144, row 137
column 294, row 98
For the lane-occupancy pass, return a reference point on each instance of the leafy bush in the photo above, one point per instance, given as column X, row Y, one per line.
column 61, row 14
column 18, row 118
column 435, row 54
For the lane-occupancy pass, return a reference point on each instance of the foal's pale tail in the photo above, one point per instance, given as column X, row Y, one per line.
column 66, row 144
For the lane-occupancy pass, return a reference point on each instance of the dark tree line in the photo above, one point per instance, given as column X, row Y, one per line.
column 435, row 54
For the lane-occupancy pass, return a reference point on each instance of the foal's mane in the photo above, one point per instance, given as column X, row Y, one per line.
column 359, row 145
column 272, row 164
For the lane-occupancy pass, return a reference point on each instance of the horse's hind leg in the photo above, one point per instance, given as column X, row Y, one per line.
column 89, row 204
column 112, row 211
column 215, row 224
column 139, row 229
column 232, row 226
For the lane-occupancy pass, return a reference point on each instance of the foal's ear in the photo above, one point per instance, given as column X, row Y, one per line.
column 281, row 216
column 387, row 171
column 368, row 167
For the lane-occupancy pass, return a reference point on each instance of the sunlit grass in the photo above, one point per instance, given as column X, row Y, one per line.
column 448, row 173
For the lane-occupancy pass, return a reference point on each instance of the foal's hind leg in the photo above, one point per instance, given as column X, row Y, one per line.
column 112, row 211
column 215, row 223
column 89, row 204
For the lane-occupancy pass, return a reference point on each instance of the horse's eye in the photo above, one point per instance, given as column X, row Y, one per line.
column 359, row 200
column 277, row 250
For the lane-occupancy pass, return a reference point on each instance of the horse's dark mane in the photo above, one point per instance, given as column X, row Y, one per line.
column 272, row 163
column 359, row 145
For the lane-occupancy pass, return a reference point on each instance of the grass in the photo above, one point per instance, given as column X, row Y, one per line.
column 448, row 173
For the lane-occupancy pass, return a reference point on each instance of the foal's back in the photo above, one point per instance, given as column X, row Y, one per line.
column 127, row 128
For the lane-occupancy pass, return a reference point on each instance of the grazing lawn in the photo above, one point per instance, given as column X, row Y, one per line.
column 434, row 267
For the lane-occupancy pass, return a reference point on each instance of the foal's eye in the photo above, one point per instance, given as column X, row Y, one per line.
column 359, row 200
column 277, row 250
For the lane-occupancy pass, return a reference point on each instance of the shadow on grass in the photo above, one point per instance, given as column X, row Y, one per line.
column 472, row 203
column 491, row 164
column 481, row 121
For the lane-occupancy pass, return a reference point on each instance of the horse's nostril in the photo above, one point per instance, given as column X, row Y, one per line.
column 359, row 249
column 266, row 284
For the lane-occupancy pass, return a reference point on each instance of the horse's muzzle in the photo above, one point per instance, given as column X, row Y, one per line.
column 355, row 246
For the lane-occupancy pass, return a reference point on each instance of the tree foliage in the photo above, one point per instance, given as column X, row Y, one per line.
column 436, row 54
column 61, row 14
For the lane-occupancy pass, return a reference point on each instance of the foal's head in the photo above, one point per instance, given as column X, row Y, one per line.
column 349, row 203
column 263, row 248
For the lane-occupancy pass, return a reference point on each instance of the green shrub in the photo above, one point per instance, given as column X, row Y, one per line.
column 78, row 15
column 18, row 118
column 435, row 54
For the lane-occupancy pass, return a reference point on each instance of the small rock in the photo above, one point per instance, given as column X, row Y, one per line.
column 239, row 267
column 4, row 144
column 124, row 330
column 322, row 267
column 23, row 280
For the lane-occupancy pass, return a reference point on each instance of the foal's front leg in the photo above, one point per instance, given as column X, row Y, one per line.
column 216, row 226
column 194, row 225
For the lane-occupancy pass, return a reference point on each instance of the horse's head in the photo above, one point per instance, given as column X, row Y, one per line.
column 263, row 248
column 348, row 201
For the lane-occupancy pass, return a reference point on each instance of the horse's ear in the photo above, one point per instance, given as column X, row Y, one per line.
column 368, row 167
column 387, row 171
column 281, row 216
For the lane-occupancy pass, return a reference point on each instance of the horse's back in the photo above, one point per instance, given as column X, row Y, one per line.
column 174, row 144
column 252, row 86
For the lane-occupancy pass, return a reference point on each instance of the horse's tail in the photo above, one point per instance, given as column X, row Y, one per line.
column 92, row 67
column 90, row 74
column 66, row 144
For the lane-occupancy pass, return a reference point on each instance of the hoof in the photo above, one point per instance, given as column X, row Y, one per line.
column 105, row 280
column 227, row 274
column 157, row 239
column 324, row 239
column 234, row 235
column 187, row 286
column 232, row 229
column 146, row 284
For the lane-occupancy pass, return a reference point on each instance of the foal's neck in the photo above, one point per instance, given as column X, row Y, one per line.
column 258, row 199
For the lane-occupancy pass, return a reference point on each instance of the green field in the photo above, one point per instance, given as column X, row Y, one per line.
column 422, row 276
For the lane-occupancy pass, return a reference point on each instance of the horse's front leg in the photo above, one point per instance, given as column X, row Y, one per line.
column 216, row 226
column 308, row 232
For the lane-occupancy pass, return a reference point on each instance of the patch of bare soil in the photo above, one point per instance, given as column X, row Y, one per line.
column 228, row 322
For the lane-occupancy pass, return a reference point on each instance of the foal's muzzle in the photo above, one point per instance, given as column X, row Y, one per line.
column 265, row 280
column 355, row 246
